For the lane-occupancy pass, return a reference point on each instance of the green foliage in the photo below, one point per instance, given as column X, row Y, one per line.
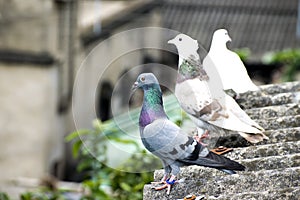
column 290, row 58
column 43, row 194
column 3, row 196
column 103, row 182
column 243, row 53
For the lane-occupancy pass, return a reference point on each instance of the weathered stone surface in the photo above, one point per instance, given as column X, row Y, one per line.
column 211, row 182
column 280, row 122
column 278, row 149
column 282, row 135
column 281, row 88
column 282, row 194
column 272, row 162
column 272, row 89
column 268, row 100
column 274, row 111
column 272, row 166
column 235, row 140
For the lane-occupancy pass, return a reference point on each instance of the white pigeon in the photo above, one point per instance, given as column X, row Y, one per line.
column 233, row 73
column 203, row 97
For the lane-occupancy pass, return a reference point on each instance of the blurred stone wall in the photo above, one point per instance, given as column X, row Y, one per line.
column 41, row 48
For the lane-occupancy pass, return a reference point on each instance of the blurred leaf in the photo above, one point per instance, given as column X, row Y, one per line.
column 3, row 196
column 76, row 134
column 243, row 53
column 125, row 187
column 289, row 58
column 76, row 148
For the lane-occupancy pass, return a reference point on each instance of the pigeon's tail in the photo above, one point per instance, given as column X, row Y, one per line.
column 224, row 164
column 254, row 138
column 216, row 161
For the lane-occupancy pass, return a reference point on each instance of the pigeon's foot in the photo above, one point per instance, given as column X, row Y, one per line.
column 167, row 184
column 203, row 136
column 162, row 181
column 221, row 150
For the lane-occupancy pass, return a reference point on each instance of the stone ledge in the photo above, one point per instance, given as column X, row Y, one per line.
column 281, row 194
column 280, row 122
column 282, row 135
column 268, row 100
column 274, row 111
column 211, row 182
column 280, row 88
column 278, row 149
column 271, row 162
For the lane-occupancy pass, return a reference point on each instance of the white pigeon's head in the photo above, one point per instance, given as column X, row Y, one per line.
column 221, row 36
column 186, row 45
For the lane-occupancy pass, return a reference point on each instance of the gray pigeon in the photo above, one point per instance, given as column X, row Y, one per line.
column 167, row 141
column 200, row 93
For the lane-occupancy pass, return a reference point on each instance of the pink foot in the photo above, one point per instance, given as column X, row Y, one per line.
column 203, row 136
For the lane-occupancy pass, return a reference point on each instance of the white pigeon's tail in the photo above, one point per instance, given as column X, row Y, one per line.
column 254, row 138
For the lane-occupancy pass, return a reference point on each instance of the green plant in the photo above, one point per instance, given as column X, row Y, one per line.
column 4, row 196
column 42, row 195
column 289, row 58
column 243, row 53
column 102, row 181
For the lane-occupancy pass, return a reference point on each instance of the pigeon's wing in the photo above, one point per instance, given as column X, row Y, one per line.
column 165, row 139
column 232, row 122
column 193, row 95
column 176, row 148
column 240, row 113
column 243, row 82
column 218, row 114
column 214, row 161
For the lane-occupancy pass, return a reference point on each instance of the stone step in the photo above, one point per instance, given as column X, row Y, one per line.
column 280, row 88
column 273, row 89
column 274, row 111
column 211, row 182
column 279, row 122
column 258, row 151
column 282, row 135
column 280, row 194
column 271, row 162
column 235, row 140
column 258, row 101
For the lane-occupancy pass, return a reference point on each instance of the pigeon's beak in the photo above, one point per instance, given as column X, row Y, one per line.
column 171, row 41
column 229, row 39
column 134, row 86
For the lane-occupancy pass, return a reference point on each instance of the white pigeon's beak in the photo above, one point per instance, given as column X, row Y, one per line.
column 171, row 41
column 229, row 39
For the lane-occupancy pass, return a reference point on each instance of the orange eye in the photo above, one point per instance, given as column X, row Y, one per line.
column 142, row 78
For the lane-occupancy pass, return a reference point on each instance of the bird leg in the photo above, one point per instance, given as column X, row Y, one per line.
column 163, row 180
column 167, row 184
column 203, row 136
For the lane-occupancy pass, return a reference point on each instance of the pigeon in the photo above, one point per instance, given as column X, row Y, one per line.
column 169, row 142
column 200, row 94
column 228, row 64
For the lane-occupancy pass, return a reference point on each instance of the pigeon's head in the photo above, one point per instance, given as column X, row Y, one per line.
column 184, row 43
column 221, row 35
column 144, row 80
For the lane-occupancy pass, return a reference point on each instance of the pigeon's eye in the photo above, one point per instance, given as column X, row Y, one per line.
column 226, row 33
column 180, row 39
column 142, row 78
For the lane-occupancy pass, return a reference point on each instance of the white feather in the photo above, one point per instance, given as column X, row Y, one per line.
column 229, row 65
